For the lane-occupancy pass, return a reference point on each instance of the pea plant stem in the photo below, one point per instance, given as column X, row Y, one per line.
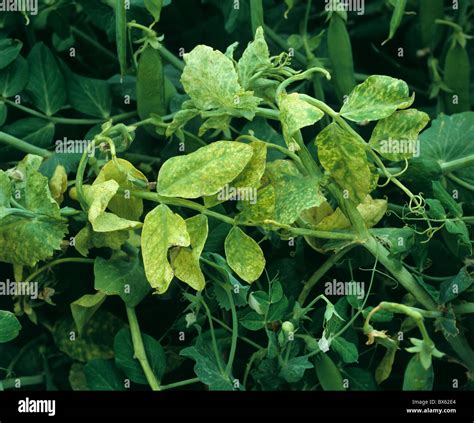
column 319, row 273
column 465, row 308
column 22, row 381
column 180, row 383
column 139, row 349
column 235, row 332
column 53, row 263
column 213, row 336
column 22, row 145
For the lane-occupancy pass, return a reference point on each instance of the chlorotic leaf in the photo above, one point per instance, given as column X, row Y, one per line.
column 244, row 255
column 345, row 159
column 162, row 230
column 376, row 98
column 396, row 137
column 203, row 172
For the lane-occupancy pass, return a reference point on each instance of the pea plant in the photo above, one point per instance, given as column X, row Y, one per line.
column 251, row 215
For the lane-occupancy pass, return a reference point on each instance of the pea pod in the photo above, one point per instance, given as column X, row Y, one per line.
column 121, row 34
column 328, row 374
column 151, row 95
column 340, row 53
column 429, row 11
column 457, row 78
column 396, row 19
column 416, row 377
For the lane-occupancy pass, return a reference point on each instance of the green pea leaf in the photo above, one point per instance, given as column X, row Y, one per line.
column 46, row 84
column 293, row 370
column 255, row 58
column 376, row 98
column 154, row 7
column 244, row 255
column 9, row 326
column 162, row 230
column 400, row 241
column 416, row 377
column 85, row 307
column 96, row 341
column 203, row 172
column 206, row 367
column 251, row 320
column 126, row 361
column 99, row 196
column 211, row 81
column 450, row 289
column 360, row 379
column 346, row 161
column 125, row 278
column 347, row 350
column 127, row 176
column 9, row 51
column 448, row 140
column 102, row 375
column 14, row 77
column 185, row 260
column 89, row 96
column 295, row 114
column 396, row 137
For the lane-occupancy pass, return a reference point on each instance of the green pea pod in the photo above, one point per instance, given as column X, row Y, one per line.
column 121, row 34
column 429, row 11
column 256, row 14
column 397, row 17
column 340, row 53
column 417, row 378
column 151, row 95
column 457, row 78
column 328, row 374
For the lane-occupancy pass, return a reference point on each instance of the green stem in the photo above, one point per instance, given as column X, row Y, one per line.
column 460, row 181
column 458, row 164
column 235, row 332
column 24, row 381
column 22, row 145
column 139, row 349
column 319, row 273
column 465, row 308
column 181, row 383
column 243, row 338
column 94, row 43
column 213, row 336
column 55, row 263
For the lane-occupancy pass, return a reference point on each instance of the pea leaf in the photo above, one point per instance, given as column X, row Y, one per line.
column 154, row 7
column 120, row 277
column 328, row 374
column 345, row 160
column 127, row 176
column 211, row 81
column 185, row 260
column 449, row 139
column 251, row 320
column 85, row 307
column 450, row 289
column 9, row 51
column 295, row 114
column 99, row 196
column 86, row 239
column 244, row 255
column 347, row 350
column 376, row 98
column 46, row 84
column 203, row 172
column 396, row 19
column 102, row 375
column 206, row 367
column 126, row 361
column 14, row 78
column 400, row 241
column 293, row 370
column 9, row 326
column 255, row 58
column 416, row 377
column 360, row 379
column 396, row 137
column 89, row 96
column 162, row 230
